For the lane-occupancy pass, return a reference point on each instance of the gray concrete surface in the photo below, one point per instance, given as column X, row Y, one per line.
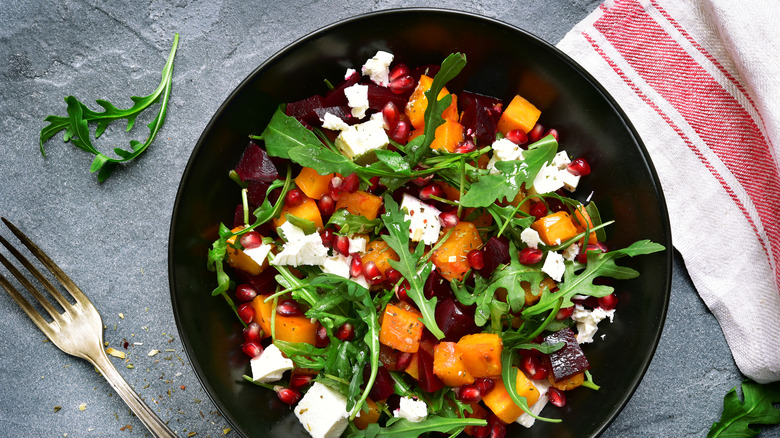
column 111, row 238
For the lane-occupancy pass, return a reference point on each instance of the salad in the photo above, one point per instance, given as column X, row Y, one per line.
column 408, row 260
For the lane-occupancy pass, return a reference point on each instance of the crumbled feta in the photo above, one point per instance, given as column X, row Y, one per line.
column 526, row 420
column 333, row 122
column 349, row 73
column 357, row 99
column 588, row 321
column 378, row 68
column 530, row 237
column 337, row 265
column 412, row 409
column 357, row 244
column 568, row 179
column 561, row 160
column 424, row 220
column 357, row 140
column 571, row 252
column 300, row 249
column 505, row 150
column 361, row 280
column 554, row 266
column 547, row 180
column 323, row 412
column 258, row 253
column 270, row 365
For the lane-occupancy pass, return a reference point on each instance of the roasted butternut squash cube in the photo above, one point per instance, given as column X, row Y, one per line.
column 500, row 402
column 312, row 184
column 237, row 259
column 555, row 228
column 450, row 257
column 379, row 252
column 401, row 328
column 519, row 114
column 360, row 203
column 287, row 328
column 418, row 103
column 481, row 353
column 448, row 365
column 448, row 135
column 307, row 209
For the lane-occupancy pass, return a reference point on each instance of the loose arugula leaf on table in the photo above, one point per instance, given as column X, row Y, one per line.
column 403, row 428
column 284, row 133
column 76, row 124
column 398, row 239
column 756, row 408
column 351, row 224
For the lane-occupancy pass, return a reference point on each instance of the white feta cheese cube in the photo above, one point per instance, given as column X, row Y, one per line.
column 323, row 412
column 568, row 179
column 361, row 280
column 571, row 252
column 554, row 266
column 505, row 150
column 337, row 265
column 526, row 420
column 561, row 160
column 530, row 237
column 291, row 233
column 588, row 321
column 270, row 365
column 349, row 73
column 547, row 180
column 357, row 99
column 300, row 249
column 357, row 244
column 358, row 140
column 258, row 253
column 333, row 122
column 378, row 68
column 412, row 409
column 424, row 220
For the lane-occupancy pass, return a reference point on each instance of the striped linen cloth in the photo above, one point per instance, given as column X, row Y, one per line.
column 700, row 81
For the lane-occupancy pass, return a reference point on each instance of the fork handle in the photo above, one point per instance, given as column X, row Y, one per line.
column 139, row 408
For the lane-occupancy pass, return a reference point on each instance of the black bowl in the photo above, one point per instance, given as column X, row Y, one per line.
column 502, row 61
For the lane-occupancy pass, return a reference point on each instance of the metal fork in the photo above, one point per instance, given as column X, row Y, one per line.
column 78, row 331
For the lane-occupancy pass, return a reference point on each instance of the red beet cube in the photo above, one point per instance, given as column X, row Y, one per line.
column 480, row 114
column 305, row 110
column 570, row 359
column 496, row 252
column 256, row 165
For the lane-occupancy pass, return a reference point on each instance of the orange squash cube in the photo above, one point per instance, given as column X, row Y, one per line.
column 500, row 402
column 448, row 135
column 418, row 103
column 555, row 228
column 481, row 353
column 450, row 257
column 519, row 114
column 448, row 365
column 306, row 210
column 360, row 203
column 287, row 328
column 312, row 184
column 367, row 417
column 380, row 253
column 237, row 259
column 401, row 328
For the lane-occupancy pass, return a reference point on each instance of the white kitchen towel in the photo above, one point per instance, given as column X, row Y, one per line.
column 700, row 81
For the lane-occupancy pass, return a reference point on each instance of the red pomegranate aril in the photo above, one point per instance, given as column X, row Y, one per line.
column 480, row 431
column 402, row 292
column 476, row 259
column 448, row 219
column 402, row 360
column 246, row 312
column 252, row 332
column 401, row 85
column 327, row 237
column 341, row 245
column 300, row 381
column 400, row 133
column 398, row 71
column 321, row 339
column 538, row 210
column 469, row 394
column 251, row 239
column 530, row 256
column 579, row 167
column 532, row 366
column 465, row 147
column 556, row 397
column 431, row 190
column 289, row 308
column 517, row 136
column 345, row 332
column 485, row 385
column 608, row 302
column 252, row 349
column 535, row 133
column 293, row 198
column 393, row 276
column 553, row 132
column 564, row 313
column 497, row 430
column 371, row 273
column 356, row 266
column 334, row 187
column 351, row 183
column 327, row 205
column 582, row 257
column 391, row 114
column 375, row 185
column 245, row 292
column 288, row 396
column 421, row 181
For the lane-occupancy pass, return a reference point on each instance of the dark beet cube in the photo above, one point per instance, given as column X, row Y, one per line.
column 255, row 193
column 336, row 96
column 343, row 112
column 255, row 165
column 429, row 382
column 455, row 320
column 379, row 96
column 306, row 110
column 437, row 286
column 570, row 359
column 495, row 252
column 384, row 385
column 480, row 114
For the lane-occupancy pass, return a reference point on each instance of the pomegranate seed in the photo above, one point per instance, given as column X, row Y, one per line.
column 402, row 360
column 252, row 349
column 371, row 273
column 321, row 339
column 299, row 381
column 421, row 181
column 351, row 183
column 327, row 205
column 334, row 187
column 288, row 396
column 293, row 198
column 579, row 167
column 289, row 308
column 345, row 332
column 556, row 397
column 535, row 133
column 391, row 114
column 327, row 237
column 246, row 312
column 485, row 385
column 583, row 256
column 555, row 205
column 538, row 210
column 448, row 219
column 469, row 394
column 402, row 292
column 480, row 432
column 400, row 133
column 375, row 185
column 393, row 276
column 553, row 132
column 476, row 259
column 431, row 190
column 401, row 85
column 532, row 366
column 251, row 239
column 497, row 430
column 356, row 267
column 245, row 292
column 341, row 244
column 398, row 71
column 517, row 136
column 465, row 147
column 530, row 256
column 608, row 302
column 564, row 313
column 253, row 333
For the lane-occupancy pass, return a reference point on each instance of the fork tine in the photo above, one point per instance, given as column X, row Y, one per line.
column 55, row 314
column 28, row 309
column 66, row 282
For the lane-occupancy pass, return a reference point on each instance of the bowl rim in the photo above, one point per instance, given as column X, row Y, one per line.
column 665, row 222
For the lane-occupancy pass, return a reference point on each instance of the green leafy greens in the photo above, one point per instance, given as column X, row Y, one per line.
column 756, row 408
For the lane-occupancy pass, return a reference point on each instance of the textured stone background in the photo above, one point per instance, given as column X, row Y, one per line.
column 111, row 238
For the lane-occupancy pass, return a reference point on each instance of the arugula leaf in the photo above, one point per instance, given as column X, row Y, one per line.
column 398, row 239
column 755, row 409
column 509, row 376
column 351, row 224
column 403, row 428
column 322, row 159
column 595, row 218
column 306, row 225
column 79, row 115
column 284, row 133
